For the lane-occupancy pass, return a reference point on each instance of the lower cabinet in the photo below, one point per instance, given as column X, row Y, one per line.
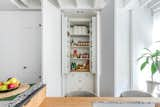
column 37, row 99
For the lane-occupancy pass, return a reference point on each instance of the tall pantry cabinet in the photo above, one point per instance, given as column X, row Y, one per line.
column 70, row 46
column 79, row 51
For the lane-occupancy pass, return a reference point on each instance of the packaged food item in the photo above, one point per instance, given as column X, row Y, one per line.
column 75, row 54
column 80, row 30
column 78, row 55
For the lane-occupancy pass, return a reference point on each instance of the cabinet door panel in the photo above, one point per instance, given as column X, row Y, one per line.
column 93, row 50
column 65, row 43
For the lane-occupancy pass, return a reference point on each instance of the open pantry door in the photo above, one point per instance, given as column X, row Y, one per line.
column 93, row 53
column 93, row 50
column 65, row 45
column 65, row 52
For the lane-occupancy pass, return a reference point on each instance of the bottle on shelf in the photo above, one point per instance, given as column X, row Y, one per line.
column 72, row 42
column 75, row 53
column 73, row 66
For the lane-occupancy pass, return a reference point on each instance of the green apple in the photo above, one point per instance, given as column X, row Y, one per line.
column 3, row 87
column 6, row 83
column 13, row 80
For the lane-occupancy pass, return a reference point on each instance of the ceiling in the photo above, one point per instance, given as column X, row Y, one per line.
column 7, row 4
column 152, row 4
column 13, row 4
column 79, row 4
column 84, row 4
column 62, row 4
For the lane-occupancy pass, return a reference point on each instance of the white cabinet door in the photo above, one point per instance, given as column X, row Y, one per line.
column 65, row 46
column 93, row 50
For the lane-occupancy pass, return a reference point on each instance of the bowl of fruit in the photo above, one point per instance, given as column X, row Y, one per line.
column 9, row 85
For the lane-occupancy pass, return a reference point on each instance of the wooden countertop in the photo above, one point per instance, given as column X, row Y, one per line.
column 87, row 101
column 40, row 100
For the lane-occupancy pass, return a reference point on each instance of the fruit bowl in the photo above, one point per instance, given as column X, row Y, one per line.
column 8, row 90
column 9, row 85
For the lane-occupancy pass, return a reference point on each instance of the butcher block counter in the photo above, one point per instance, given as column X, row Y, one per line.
column 39, row 99
column 89, row 102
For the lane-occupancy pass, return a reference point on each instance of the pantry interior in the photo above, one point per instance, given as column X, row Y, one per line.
column 79, row 51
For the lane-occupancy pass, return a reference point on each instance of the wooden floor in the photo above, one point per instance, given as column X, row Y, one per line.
column 87, row 102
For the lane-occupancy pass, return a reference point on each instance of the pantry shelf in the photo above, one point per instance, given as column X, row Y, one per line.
column 79, row 58
column 82, row 70
column 79, row 35
column 80, row 46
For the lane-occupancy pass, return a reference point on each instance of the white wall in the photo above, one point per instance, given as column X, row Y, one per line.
column 107, row 50
column 20, row 45
column 141, row 24
column 156, row 26
column 122, row 48
column 7, row 4
column 133, row 32
column 51, row 49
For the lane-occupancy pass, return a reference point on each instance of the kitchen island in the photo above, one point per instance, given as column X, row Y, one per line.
column 32, row 97
column 90, row 101
column 39, row 99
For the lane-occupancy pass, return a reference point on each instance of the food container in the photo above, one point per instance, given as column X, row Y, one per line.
column 80, row 30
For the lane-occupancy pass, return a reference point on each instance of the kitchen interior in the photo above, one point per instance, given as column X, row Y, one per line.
column 77, row 52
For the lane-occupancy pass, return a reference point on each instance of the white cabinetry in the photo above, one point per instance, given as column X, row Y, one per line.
column 79, row 52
